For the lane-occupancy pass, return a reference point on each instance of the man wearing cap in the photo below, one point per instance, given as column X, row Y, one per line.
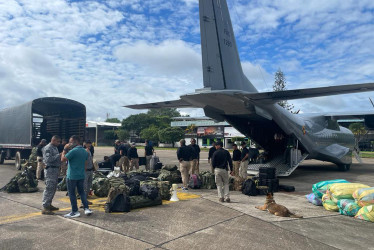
column 132, row 154
column 244, row 161
column 39, row 158
column 221, row 158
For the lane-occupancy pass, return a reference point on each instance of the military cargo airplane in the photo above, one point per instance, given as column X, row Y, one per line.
column 229, row 96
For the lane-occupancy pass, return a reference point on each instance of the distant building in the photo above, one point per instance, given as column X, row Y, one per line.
column 205, row 130
column 95, row 132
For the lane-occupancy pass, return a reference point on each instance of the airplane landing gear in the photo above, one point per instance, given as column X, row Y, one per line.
column 344, row 167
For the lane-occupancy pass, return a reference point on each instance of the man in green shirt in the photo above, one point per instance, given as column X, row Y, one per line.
column 76, row 156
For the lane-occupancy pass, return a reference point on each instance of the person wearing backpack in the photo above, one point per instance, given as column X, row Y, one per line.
column 221, row 158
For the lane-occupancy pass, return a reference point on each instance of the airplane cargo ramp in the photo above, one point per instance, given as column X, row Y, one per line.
column 282, row 169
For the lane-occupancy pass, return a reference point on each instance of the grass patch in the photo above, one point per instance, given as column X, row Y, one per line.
column 367, row 154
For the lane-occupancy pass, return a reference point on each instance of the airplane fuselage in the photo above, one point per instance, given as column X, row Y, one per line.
column 272, row 126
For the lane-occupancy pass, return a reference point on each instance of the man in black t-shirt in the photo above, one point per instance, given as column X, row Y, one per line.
column 148, row 153
column 195, row 157
column 244, row 161
column 236, row 158
column 117, row 154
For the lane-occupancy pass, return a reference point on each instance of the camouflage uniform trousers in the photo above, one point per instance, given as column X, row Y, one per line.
column 40, row 167
column 88, row 181
column 63, row 168
column 51, row 181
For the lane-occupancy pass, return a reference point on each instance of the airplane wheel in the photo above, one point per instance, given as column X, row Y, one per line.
column 344, row 167
column 18, row 161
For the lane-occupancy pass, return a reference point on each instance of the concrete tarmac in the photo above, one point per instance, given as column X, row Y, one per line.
column 198, row 221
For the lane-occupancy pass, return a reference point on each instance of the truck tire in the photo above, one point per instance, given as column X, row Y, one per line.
column 18, row 160
column 2, row 157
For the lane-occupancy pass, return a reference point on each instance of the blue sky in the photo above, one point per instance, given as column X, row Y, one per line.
column 107, row 54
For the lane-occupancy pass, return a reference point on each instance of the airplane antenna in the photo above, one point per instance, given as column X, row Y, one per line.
column 371, row 101
column 250, row 48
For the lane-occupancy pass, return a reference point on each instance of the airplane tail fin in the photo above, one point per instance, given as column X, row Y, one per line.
column 221, row 63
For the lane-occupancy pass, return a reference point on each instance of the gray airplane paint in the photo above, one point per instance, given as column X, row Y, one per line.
column 228, row 95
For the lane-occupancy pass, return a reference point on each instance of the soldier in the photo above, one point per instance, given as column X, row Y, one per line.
column 184, row 155
column 221, row 158
column 39, row 158
column 195, row 157
column 64, row 164
column 52, row 161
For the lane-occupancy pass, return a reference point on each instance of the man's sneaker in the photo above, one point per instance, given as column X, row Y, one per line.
column 47, row 211
column 221, row 200
column 72, row 215
column 184, row 189
column 228, row 200
column 53, row 208
column 87, row 211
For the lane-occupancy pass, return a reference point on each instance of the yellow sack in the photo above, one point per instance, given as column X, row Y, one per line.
column 364, row 196
column 340, row 191
column 366, row 213
column 328, row 204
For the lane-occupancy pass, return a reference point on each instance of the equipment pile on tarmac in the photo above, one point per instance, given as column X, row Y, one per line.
column 23, row 182
column 135, row 189
column 351, row 199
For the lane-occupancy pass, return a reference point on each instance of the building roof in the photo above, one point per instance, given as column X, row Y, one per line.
column 92, row 124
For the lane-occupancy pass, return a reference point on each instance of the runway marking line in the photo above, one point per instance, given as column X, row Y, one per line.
column 98, row 205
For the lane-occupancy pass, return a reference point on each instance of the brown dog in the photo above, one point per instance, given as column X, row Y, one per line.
column 275, row 208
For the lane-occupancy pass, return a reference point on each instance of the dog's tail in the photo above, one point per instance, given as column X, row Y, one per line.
column 295, row 216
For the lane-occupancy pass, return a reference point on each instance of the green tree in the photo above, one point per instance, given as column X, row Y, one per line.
column 150, row 133
column 171, row 134
column 169, row 112
column 114, row 120
column 122, row 134
column 280, row 85
column 110, row 135
column 138, row 122
column 358, row 129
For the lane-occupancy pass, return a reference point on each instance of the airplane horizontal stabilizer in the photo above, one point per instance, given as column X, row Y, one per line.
column 166, row 104
column 273, row 97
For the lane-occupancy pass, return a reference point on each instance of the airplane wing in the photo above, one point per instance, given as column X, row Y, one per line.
column 166, row 104
column 273, row 97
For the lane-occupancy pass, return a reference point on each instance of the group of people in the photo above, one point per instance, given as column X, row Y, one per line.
column 221, row 162
column 79, row 171
column 126, row 156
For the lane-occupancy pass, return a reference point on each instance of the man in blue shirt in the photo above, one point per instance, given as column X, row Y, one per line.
column 77, row 157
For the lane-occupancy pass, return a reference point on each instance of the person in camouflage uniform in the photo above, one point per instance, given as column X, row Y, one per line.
column 39, row 158
column 52, row 161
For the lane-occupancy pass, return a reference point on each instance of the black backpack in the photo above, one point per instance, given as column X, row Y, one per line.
column 249, row 188
column 149, row 191
column 121, row 203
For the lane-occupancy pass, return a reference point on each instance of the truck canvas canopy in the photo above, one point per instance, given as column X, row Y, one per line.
column 24, row 125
